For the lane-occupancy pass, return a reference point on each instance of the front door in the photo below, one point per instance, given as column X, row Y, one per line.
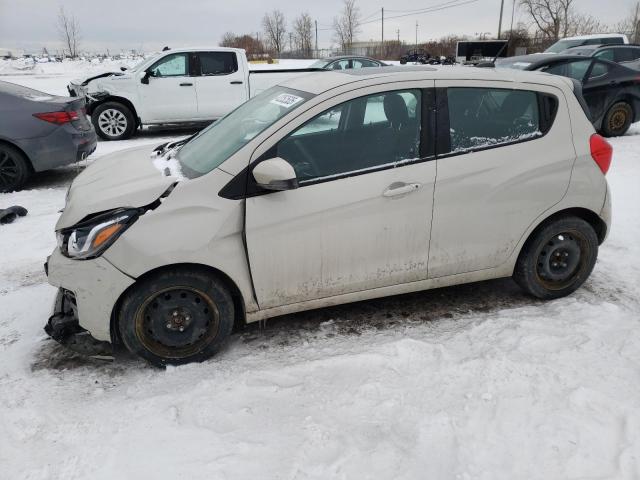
column 170, row 95
column 361, row 216
column 503, row 160
column 220, row 84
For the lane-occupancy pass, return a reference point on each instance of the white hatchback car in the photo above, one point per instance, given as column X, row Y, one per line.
column 331, row 188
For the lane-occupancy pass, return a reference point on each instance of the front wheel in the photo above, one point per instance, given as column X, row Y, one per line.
column 113, row 121
column 557, row 259
column 617, row 120
column 176, row 317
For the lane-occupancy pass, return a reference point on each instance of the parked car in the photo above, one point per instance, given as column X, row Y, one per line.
column 188, row 85
column 610, row 90
column 415, row 56
column 323, row 191
column 595, row 39
column 629, row 55
column 346, row 62
column 38, row 132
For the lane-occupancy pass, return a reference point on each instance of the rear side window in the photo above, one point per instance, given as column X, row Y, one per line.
column 599, row 70
column 485, row 117
column 627, row 54
column 606, row 54
column 218, row 63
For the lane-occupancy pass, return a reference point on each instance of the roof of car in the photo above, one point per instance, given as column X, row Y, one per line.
column 320, row 82
column 596, row 35
column 341, row 57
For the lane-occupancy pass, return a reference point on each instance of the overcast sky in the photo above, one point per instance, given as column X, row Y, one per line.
column 150, row 24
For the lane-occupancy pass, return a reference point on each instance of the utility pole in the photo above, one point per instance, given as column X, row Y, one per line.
column 382, row 28
column 398, row 32
column 416, row 34
column 500, row 22
column 290, row 41
column 317, row 37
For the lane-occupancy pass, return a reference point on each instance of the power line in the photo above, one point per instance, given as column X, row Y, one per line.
column 445, row 7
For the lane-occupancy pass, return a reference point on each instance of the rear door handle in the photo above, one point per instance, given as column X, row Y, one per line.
column 401, row 188
column 186, row 84
column 236, row 82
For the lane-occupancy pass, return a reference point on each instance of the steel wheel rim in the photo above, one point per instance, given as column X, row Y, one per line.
column 562, row 260
column 618, row 119
column 159, row 319
column 9, row 170
column 112, row 122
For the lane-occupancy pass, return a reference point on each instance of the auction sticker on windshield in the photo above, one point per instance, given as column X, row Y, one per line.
column 286, row 100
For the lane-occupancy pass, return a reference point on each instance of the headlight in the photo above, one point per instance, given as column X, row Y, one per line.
column 88, row 239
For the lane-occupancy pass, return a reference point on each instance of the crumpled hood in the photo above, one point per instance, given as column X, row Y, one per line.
column 85, row 81
column 124, row 179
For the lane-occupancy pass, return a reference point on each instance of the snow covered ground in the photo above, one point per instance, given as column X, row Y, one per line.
column 471, row 382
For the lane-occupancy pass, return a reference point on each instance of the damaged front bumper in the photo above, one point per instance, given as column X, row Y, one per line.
column 63, row 326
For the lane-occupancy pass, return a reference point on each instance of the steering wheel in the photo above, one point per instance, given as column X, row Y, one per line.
column 308, row 168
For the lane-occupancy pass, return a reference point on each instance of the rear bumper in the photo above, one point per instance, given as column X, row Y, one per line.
column 64, row 146
column 63, row 326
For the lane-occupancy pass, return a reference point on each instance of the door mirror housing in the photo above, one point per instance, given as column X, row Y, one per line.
column 275, row 174
column 144, row 76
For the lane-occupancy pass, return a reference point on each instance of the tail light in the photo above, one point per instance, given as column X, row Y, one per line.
column 601, row 152
column 59, row 118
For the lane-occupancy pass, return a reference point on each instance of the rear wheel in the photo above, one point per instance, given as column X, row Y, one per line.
column 617, row 120
column 113, row 121
column 15, row 169
column 177, row 317
column 557, row 259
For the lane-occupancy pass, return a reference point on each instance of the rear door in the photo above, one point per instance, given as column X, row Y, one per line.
column 361, row 217
column 504, row 157
column 170, row 95
column 220, row 83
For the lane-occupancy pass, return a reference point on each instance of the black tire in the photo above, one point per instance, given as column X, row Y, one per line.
column 113, row 121
column 15, row 168
column 403, row 61
column 557, row 258
column 617, row 120
column 176, row 317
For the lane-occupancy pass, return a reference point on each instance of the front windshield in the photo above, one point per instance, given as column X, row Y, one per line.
column 142, row 62
column 561, row 45
column 211, row 147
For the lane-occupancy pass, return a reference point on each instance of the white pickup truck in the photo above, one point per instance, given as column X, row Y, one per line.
column 188, row 85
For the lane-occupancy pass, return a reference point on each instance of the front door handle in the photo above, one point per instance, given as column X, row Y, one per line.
column 400, row 188
column 186, row 84
column 236, row 82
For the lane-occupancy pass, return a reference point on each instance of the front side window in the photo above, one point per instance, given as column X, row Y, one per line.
column 367, row 133
column 173, row 65
column 605, row 54
column 485, row 117
column 339, row 65
column 217, row 63
column 364, row 63
column 211, row 147
column 575, row 70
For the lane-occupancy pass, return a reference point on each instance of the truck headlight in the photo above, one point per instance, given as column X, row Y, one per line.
column 88, row 239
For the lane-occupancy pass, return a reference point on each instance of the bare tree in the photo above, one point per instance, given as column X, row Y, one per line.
column 631, row 24
column 275, row 28
column 581, row 24
column 251, row 45
column 303, row 34
column 347, row 25
column 552, row 17
column 69, row 31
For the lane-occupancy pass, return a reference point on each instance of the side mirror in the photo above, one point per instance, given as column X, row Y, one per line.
column 123, row 69
column 275, row 174
column 144, row 77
